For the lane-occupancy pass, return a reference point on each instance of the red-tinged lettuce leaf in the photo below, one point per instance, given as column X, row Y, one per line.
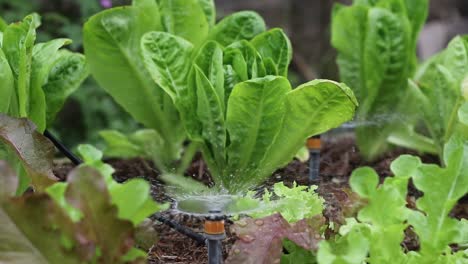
column 34, row 229
column 261, row 240
column 33, row 149
column 88, row 192
column 8, row 181
column 341, row 203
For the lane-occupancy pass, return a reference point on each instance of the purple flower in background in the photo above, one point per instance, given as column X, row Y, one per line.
column 106, row 3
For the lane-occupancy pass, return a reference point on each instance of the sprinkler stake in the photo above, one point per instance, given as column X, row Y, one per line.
column 214, row 233
column 314, row 145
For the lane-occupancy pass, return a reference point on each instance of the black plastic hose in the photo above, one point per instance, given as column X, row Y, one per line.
column 200, row 239
column 65, row 151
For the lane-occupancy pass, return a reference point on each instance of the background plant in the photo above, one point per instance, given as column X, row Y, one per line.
column 438, row 89
column 376, row 44
column 37, row 78
column 91, row 109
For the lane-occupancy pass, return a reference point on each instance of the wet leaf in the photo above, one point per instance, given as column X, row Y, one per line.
column 260, row 240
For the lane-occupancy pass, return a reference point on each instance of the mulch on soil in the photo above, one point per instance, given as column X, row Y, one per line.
column 338, row 159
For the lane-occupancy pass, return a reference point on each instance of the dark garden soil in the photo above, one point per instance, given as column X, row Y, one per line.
column 338, row 159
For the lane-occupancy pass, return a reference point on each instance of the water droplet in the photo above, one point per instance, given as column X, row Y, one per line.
column 259, row 222
column 242, row 223
column 247, row 238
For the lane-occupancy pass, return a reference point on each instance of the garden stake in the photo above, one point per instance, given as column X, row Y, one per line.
column 65, row 151
column 214, row 233
column 314, row 145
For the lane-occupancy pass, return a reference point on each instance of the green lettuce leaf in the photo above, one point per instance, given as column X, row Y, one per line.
column 176, row 20
column 241, row 25
column 275, row 44
column 8, row 84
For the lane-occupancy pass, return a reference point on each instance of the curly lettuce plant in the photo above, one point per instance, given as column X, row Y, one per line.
column 87, row 218
column 36, row 228
column 376, row 44
column 381, row 232
column 112, row 46
column 237, row 106
column 439, row 88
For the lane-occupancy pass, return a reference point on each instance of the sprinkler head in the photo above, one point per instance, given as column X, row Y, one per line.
column 214, row 223
column 314, row 143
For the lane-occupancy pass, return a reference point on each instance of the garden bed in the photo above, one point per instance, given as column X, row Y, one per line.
column 338, row 159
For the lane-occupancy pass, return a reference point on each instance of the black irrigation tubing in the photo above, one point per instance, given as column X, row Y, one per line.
column 65, row 151
column 176, row 226
column 200, row 239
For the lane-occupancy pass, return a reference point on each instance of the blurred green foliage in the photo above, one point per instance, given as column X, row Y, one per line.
column 90, row 109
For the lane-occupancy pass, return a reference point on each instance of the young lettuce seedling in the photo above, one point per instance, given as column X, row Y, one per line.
column 112, row 47
column 376, row 44
column 439, row 87
column 247, row 119
column 378, row 233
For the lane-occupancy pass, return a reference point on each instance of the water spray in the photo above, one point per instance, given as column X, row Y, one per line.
column 215, row 234
column 314, row 146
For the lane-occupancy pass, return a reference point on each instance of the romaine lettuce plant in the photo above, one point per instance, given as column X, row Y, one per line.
column 376, row 44
column 36, row 78
column 438, row 89
column 246, row 117
column 112, row 46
